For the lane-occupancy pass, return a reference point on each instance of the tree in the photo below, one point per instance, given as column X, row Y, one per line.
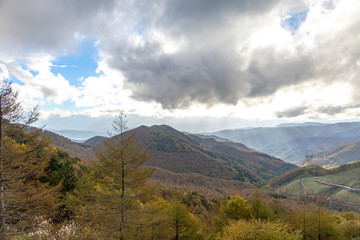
column 260, row 208
column 20, row 160
column 181, row 223
column 237, row 208
column 120, row 174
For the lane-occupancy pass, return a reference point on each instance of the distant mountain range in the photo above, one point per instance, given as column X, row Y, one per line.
column 191, row 161
column 292, row 143
column 77, row 135
column 299, row 124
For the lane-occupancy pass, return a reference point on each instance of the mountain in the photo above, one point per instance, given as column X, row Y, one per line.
column 293, row 143
column 192, row 162
column 339, row 186
column 180, row 153
column 94, row 140
column 299, row 124
column 335, row 156
column 77, row 134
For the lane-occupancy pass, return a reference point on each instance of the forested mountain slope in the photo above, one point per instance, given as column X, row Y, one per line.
column 335, row 156
column 177, row 152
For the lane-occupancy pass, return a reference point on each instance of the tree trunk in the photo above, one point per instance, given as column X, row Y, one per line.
column 122, row 186
column 2, row 193
column 319, row 225
column 177, row 230
column 122, row 200
column 304, row 226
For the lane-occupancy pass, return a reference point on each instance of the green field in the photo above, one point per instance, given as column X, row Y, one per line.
column 349, row 178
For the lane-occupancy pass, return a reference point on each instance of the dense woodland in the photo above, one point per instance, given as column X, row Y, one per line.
column 48, row 194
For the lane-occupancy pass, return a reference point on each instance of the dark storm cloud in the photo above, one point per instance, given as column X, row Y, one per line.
column 292, row 112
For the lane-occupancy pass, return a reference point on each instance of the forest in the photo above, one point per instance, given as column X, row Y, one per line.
column 45, row 193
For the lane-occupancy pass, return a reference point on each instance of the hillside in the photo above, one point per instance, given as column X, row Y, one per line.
column 94, row 140
column 292, row 143
column 180, row 153
column 335, row 156
column 340, row 186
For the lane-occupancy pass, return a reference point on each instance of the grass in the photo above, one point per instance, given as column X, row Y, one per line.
column 349, row 177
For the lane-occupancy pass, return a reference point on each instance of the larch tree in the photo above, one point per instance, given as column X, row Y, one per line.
column 181, row 223
column 237, row 208
column 19, row 166
column 121, row 175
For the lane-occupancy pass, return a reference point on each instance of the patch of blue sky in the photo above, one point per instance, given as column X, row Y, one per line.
column 78, row 65
column 293, row 21
column 139, row 28
column 13, row 79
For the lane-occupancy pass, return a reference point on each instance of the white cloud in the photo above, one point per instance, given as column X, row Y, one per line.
column 39, row 84
column 4, row 73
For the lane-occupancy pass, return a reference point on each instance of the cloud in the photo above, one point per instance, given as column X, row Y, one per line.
column 4, row 73
column 334, row 110
column 39, row 84
column 162, row 57
column 292, row 112
column 42, row 25
column 233, row 51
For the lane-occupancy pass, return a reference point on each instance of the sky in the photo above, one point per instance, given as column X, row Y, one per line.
column 199, row 66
